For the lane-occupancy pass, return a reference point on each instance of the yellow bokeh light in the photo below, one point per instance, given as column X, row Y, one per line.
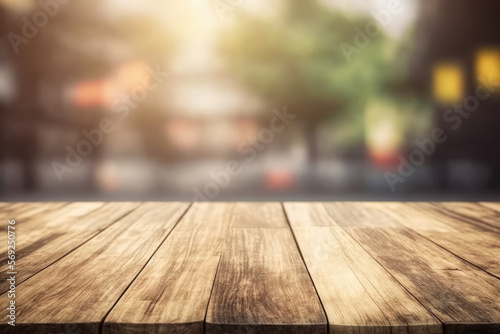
column 488, row 65
column 448, row 82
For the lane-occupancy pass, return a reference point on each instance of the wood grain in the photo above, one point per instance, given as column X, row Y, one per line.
column 45, row 238
column 465, row 298
column 25, row 211
column 377, row 268
column 473, row 213
column 81, row 288
column 10, row 206
column 22, row 211
column 18, row 213
column 262, row 285
column 472, row 242
column 172, row 292
column 359, row 295
column 30, row 221
column 491, row 205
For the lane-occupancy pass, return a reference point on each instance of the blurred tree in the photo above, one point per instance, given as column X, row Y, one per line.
column 299, row 59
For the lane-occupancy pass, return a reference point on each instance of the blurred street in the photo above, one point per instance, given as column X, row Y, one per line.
column 249, row 100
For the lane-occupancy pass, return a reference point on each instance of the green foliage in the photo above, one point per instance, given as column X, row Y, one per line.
column 297, row 59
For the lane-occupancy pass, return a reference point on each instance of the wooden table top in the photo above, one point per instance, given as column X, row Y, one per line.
column 337, row 267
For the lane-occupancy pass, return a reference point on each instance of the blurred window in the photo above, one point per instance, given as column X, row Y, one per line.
column 448, row 83
column 488, row 65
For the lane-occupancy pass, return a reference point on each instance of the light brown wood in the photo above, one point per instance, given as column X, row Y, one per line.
column 377, row 267
column 491, row 205
column 22, row 211
column 82, row 287
column 19, row 213
column 31, row 219
column 475, row 244
column 359, row 295
column 25, row 211
column 262, row 285
column 473, row 213
column 10, row 206
column 465, row 298
column 171, row 294
column 44, row 238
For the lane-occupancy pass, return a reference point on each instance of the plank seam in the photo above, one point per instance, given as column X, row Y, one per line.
column 404, row 287
column 422, row 212
column 101, row 324
column 488, row 207
column 211, row 292
column 71, row 251
column 461, row 258
column 217, row 270
column 361, row 281
column 305, row 265
column 478, row 223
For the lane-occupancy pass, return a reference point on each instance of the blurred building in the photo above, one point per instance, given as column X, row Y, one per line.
column 461, row 39
column 72, row 71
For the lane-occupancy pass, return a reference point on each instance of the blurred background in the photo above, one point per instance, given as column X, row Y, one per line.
column 249, row 99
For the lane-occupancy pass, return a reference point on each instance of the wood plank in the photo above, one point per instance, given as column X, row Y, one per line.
column 82, row 287
column 471, row 242
column 22, row 211
column 20, row 214
column 262, row 285
column 54, row 212
column 44, row 238
column 472, row 213
column 172, row 292
column 358, row 294
column 465, row 298
column 9, row 206
column 491, row 205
